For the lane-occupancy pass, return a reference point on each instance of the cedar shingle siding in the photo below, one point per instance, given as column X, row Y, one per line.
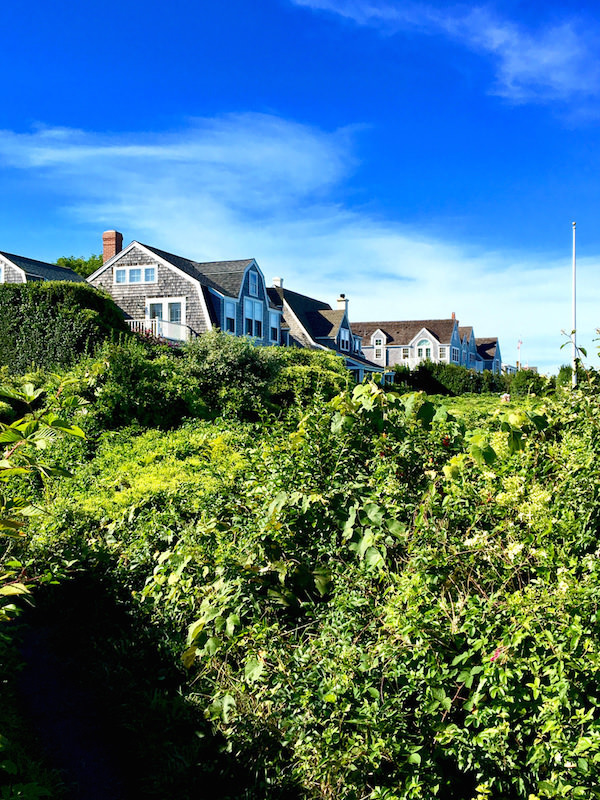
column 131, row 297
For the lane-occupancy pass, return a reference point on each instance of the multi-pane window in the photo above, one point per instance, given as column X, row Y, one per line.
column 274, row 326
column 378, row 353
column 253, row 316
column 455, row 354
column 253, row 284
column 135, row 275
column 229, row 316
column 344, row 339
column 442, row 353
column 424, row 349
column 405, row 352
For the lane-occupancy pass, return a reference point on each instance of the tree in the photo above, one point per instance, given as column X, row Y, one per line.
column 82, row 266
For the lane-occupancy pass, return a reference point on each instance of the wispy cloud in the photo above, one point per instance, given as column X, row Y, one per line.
column 554, row 62
column 258, row 185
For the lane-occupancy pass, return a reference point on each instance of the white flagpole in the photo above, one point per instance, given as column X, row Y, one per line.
column 574, row 325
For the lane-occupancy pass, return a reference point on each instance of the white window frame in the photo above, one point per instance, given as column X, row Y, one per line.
column 455, row 354
column 229, row 306
column 405, row 353
column 1, row 273
column 253, row 283
column 443, row 353
column 344, row 339
column 253, row 310
column 165, row 304
column 274, row 318
column 424, row 349
column 127, row 270
column 378, row 353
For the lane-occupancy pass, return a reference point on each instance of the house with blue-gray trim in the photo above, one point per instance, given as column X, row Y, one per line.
column 177, row 298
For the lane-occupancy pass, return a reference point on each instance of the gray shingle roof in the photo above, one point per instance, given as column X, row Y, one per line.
column 318, row 319
column 41, row 270
column 401, row 332
column 224, row 276
column 486, row 347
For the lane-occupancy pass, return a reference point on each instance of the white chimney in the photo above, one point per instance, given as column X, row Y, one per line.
column 342, row 303
column 278, row 282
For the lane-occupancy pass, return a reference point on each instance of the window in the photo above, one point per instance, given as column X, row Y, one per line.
column 442, row 353
column 274, row 326
column 253, row 317
column 229, row 316
column 378, row 353
column 344, row 339
column 455, row 354
column 135, row 274
column 405, row 352
column 253, row 284
column 167, row 317
column 378, row 342
column 1, row 274
column 424, row 349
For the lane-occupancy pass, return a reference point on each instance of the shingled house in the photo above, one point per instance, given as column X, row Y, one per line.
column 18, row 269
column 315, row 324
column 410, row 342
column 177, row 298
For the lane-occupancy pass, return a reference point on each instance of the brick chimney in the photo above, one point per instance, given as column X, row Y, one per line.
column 112, row 242
column 453, row 315
column 342, row 303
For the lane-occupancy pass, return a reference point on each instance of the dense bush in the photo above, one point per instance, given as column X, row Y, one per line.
column 448, row 379
column 52, row 323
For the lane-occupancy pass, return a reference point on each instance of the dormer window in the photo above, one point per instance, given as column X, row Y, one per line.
column 253, row 284
column 344, row 339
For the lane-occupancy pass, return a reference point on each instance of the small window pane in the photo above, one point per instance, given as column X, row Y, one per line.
column 156, row 310
column 230, row 325
column 120, row 276
column 135, row 275
column 248, row 326
column 149, row 274
column 174, row 312
column 258, row 328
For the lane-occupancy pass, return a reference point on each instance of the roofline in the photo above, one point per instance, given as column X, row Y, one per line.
column 14, row 266
column 165, row 263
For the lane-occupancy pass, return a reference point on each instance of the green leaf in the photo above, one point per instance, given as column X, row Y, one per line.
column 14, row 589
column 253, row 669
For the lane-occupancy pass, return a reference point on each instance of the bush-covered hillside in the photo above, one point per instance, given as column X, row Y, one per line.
column 363, row 597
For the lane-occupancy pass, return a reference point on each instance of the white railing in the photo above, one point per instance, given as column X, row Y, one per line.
column 173, row 331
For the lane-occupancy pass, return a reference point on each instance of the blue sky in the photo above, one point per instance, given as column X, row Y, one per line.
column 423, row 158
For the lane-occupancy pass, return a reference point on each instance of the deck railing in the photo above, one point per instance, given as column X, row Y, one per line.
column 174, row 331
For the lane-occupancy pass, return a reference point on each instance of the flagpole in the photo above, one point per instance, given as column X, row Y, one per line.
column 574, row 325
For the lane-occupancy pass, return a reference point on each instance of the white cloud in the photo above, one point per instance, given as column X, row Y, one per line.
column 554, row 62
column 259, row 186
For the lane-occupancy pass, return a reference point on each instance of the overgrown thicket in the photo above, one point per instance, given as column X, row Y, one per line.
column 451, row 379
column 52, row 323
column 364, row 597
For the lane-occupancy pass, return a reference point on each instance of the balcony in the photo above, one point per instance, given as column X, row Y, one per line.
column 172, row 331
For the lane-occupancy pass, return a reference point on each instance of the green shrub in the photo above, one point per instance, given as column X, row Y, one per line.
column 448, row 379
column 52, row 323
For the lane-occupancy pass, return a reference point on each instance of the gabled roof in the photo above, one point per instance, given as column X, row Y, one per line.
column 486, row 348
column 224, row 276
column 317, row 318
column 40, row 270
column 402, row 332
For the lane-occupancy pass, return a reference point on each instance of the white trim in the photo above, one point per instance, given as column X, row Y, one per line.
column 9, row 263
column 194, row 281
column 127, row 270
column 165, row 301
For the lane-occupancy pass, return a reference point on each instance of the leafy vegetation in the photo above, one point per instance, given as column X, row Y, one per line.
column 82, row 266
column 52, row 323
column 293, row 588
